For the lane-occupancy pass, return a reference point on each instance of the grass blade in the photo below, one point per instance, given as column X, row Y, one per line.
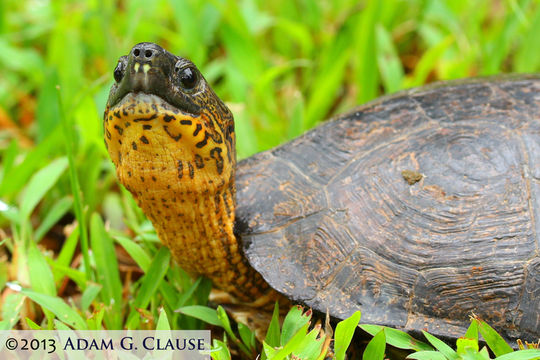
column 32, row 325
column 427, row 355
column 397, row 338
column 66, row 254
column 220, row 351
column 428, row 62
column 58, row 307
column 495, row 341
column 529, row 354
column 75, row 184
column 366, row 65
column 169, row 292
column 188, row 294
column 11, row 308
column 152, row 278
column 528, row 57
column 41, row 276
column 107, row 270
column 226, row 324
column 389, row 64
column 466, row 346
column 40, row 184
column 247, row 336
column 295, row 319
column 136, row 252
column 441, row 346
column 60, row 271
column 89, row 294
column 203, row 313
column 56, row 212
column 344, row 334
column 272, row 335
column 163, row 321
column 472, row 331
column 311, row 346
column 292, row 344
column 376, row 347
column 329, row 75
column 20, row 174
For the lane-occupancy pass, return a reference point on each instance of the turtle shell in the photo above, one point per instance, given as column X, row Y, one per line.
column 419, row 209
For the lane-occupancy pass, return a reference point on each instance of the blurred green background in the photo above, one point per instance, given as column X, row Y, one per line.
column 282, row 66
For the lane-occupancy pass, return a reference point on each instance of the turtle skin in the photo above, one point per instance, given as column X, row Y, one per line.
column 334, row 219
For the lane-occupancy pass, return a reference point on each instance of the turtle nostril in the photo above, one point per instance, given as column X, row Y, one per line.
column 148, row 53
column 136, row 52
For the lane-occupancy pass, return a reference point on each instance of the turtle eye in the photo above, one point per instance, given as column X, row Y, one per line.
column 188, row 77
column 119, row 71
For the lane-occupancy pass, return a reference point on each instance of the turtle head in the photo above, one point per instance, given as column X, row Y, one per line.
column 162, row 112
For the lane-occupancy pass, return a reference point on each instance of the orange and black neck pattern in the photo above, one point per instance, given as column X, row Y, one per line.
column 179, row 164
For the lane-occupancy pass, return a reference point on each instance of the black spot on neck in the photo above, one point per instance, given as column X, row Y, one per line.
column 174, row 137
column 198, row 128
column 191, row 170
column 203, row 142
column 199, row 163
column 180, row 168
column 215, row 154
column 151, row 117
column 168, row 118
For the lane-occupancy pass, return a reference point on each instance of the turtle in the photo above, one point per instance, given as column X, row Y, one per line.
column 419, row 208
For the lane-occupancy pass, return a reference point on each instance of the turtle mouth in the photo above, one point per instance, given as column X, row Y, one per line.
column 145, row 125
column 149, row 112
column 145, row 89
column 142, row 105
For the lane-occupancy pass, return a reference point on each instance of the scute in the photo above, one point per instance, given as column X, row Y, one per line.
column 329, row 221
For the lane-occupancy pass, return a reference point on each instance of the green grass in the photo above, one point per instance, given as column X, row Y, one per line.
column 282, row 66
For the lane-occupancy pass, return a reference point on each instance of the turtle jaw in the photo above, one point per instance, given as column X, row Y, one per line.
column 146, row 137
